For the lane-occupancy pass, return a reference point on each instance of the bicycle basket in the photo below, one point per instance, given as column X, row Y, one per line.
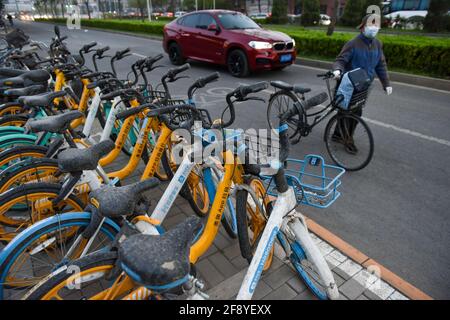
column 358, row 99
column 314, row 182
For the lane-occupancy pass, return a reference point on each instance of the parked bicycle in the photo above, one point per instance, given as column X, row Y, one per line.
column 347, row 137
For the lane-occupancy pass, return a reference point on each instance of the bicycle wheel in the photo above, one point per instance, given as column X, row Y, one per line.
column 10, row 110
column 42, row 248
column 17, row 120
column 280, row 103
column 308, row 261
column 85, row 278
column 22, row 206
column 19, row 153
column 35, row 170
column 251, row 218
column 349, row 141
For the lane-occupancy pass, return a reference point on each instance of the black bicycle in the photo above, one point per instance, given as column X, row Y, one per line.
column 347, row 136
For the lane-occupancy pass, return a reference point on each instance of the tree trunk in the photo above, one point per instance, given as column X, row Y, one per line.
column 88, row 10
column 141, row 10
column 332, row 25
column 62, row 8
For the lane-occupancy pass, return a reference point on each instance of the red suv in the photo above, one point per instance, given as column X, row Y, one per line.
column 228, row 38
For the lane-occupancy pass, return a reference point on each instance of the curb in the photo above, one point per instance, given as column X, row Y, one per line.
column 423, row 81
column 428, row 82
column 391, row 278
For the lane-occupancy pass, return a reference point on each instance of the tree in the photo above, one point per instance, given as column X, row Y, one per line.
column 86, row 2
column 352, row 12
column 331, row 26
column 310, row 12
column 139, row 4
column 436, row 19
column 279, row 12
column 189, row 5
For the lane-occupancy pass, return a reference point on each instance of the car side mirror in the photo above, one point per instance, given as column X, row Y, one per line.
column 213, row 27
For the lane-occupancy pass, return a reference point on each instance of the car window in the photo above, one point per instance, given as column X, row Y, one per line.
column 190, row 20
column 205, row 20
column 236, row 21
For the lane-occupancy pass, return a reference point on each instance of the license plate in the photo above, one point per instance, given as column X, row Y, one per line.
column 285, row 58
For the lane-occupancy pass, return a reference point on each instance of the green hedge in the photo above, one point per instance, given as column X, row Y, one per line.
column 410, row 53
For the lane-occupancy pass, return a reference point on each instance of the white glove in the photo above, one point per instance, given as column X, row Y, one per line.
column 337, row 74
column 388, row 90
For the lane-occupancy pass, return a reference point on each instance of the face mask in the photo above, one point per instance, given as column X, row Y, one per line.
column 371, row 32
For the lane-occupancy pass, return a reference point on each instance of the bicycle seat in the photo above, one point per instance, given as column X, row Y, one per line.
column 41, row 100
column 160, row 262
column 53, row 124
column 120, row 201
column 289, row 87
column 8, row 73
column 27, row 78
column 27, row 91
column 76, row 160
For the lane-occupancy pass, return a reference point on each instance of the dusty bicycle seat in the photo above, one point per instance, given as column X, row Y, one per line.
column 26, row 79
column 8, row 73
column 160, row 262
column 41, row 100
column 76, row 160
column 119, row 201
column 26, row 91
column 54, row 124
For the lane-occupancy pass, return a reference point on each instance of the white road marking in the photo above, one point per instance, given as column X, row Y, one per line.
column 138, row 55
column 409, row 132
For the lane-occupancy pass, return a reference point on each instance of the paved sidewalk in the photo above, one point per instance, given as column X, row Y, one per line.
column 223, row 268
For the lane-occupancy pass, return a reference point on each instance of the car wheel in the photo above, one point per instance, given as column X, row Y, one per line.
column 237, row 63
column 175, row 55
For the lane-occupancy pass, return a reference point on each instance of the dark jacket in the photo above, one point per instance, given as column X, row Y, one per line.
column 365, row 53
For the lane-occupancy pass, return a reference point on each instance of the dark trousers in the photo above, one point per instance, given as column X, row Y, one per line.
column 347, row 125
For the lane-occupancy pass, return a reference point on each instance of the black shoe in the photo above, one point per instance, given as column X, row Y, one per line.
column 351, row 148
column 336, row 138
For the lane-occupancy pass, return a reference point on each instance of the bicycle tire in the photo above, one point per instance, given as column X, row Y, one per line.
column 90, row 263
column 305, row 253
column 247, row 244
column 15, row 118
column 293, row 122
column 46, row 229
column 40, row 189
column 19, row 153
column 328, row 139
column 34, row 166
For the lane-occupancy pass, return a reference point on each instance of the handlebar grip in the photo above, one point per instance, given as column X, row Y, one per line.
column 174, row 71
column 102, row 50
column 212, row 77
column 253, row 88
column 111, row 95
column 156, row 58
column 62, row 38
column 327, row 74
column 128, row 113
column 121, row 54
column 316, row 100
column 88, row 46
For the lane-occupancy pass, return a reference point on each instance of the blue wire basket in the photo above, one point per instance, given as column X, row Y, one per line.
column 314, row 182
